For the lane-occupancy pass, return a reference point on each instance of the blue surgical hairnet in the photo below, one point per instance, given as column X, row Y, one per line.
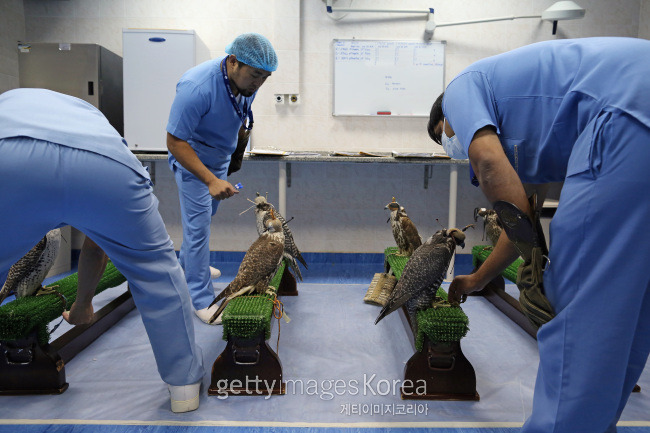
column 254, row 50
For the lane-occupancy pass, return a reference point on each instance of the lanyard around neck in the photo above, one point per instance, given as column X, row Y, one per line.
column 247, row 112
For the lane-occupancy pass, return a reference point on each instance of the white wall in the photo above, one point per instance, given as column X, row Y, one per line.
column 12, row 29
column 337, row 207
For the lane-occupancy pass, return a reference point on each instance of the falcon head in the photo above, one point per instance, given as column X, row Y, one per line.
column 259, row 198
column 260, row 204
column 458, row 235
column 479, row 211
column 392, row 206
column 273, row 224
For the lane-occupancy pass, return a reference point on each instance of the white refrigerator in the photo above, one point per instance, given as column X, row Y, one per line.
column 154, row 60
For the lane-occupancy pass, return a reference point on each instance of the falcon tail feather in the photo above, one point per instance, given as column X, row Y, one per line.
column 220, row 296
column 223, row 305
column 293, row 267
column 301, row 260
column 393, row 305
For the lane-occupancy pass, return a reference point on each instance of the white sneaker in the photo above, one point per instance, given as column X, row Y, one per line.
column 214, row 273
column 185, row 398
column 205, row 314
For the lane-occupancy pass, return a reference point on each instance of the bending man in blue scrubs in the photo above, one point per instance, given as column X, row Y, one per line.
column 62, row 163
column 207, row 133
column 576, row 111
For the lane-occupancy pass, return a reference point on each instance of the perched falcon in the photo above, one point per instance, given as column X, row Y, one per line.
column 260, row 263
column 404, row 231
column 423, row 274
column 491, row 224
column 27, row 274
column 291, row 251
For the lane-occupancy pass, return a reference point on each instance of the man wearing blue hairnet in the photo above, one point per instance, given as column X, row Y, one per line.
column 576, row 111
column 207, row 133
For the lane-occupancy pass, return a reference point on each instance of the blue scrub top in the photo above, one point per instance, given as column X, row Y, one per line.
column 203, row 115
column 62, row 119
column 541, row 97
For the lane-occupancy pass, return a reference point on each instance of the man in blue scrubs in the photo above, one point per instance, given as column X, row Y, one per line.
column 210, row 121
column 576, row 111
column 62, row 163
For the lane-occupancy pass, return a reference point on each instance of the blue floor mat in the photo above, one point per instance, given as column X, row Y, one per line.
column 114, row 385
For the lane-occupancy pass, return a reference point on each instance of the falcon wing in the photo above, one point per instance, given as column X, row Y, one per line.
column 22, row 268
column 411, row 233
column 426, row 268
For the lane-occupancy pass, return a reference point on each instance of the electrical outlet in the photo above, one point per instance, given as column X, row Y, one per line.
column 279, row 99
column 294, row 99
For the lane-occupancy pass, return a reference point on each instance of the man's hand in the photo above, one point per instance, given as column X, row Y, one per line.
column 462, row 286
column 79, row 314
column 221, row 189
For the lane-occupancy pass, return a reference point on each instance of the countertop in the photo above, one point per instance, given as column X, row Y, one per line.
column 299, row 156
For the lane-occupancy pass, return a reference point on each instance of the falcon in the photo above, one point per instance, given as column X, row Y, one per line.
column 404, row 231
column 27, row 274
column 260, row 263
column 423, row 274
column 291, row 251
column 491, row 224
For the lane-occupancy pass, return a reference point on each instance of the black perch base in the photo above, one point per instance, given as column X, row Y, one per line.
column 26, row 367
column 439, row 372
column 247, row 367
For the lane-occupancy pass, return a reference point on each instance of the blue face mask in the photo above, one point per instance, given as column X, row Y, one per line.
column 452, row 146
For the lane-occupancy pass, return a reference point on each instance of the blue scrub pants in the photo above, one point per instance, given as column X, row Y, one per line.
column 46, row 185
column 593, row 352
column 197, row 209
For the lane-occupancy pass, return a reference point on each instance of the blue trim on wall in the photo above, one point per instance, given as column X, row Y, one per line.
column 332, row 268
column 351, row 268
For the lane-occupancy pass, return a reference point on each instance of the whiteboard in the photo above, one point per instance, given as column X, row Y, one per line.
column 378, row 77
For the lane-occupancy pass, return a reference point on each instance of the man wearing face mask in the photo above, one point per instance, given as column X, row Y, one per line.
column 207, row 134
column 576, row 111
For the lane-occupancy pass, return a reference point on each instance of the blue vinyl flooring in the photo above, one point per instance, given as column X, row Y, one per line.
column 114, row 385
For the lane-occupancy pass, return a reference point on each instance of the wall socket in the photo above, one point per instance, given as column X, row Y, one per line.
column 294, row 99
column 279, row 99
